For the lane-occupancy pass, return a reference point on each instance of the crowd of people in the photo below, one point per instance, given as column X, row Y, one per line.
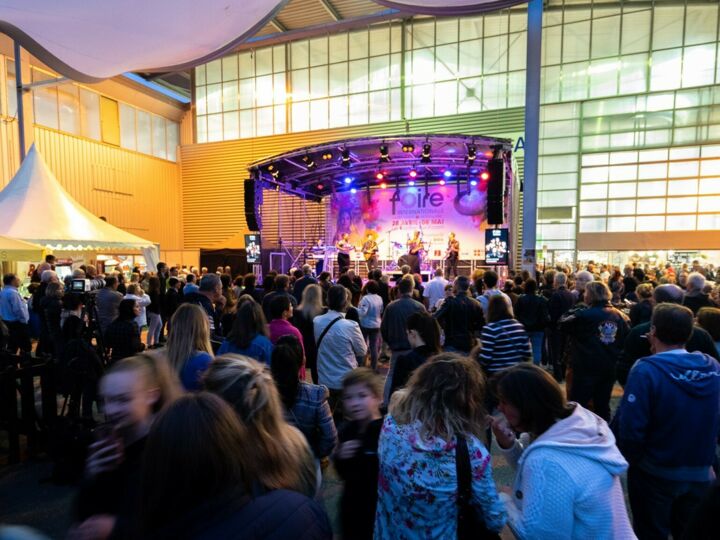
column 223, row 422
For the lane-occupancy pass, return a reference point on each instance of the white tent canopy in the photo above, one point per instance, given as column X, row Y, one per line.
column 17, row 250
column 34, row 207
column 92, row 40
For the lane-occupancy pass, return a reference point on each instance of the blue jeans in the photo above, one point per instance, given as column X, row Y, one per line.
column 536, row 340
column 661, row 506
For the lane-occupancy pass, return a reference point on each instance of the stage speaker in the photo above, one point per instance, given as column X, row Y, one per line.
column 495, row 191
column 253, row 202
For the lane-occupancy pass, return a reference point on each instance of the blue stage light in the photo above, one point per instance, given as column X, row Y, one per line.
column 447, row 174
column 353, row 191
column 411, row 183
column 348, row 180
column 473, row 182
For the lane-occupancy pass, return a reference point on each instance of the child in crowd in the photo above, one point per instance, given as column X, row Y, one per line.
column 134, row 390
column 356, row 458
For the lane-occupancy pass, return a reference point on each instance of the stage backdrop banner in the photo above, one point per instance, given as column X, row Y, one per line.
column 394, row 214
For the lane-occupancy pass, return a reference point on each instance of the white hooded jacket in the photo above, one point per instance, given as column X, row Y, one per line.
column 568, row 483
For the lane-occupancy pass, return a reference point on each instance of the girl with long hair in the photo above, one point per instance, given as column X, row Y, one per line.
column 568, row 468
column 134, row 391
column 439, row 411
column 280, row 455
column 306, row 405
column 182, row 500
column 310, row 307
column 249, row 335
column 188, row 346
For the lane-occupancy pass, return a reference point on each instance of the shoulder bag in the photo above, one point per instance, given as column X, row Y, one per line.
column 471, row 522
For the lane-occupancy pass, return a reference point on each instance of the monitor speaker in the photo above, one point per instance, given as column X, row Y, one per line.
column 496, row 192
column 253, row 202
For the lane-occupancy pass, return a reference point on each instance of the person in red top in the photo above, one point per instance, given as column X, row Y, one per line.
column 281, row 312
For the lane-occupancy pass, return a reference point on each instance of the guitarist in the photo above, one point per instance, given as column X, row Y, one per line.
column 451, row 256
column 370, row 251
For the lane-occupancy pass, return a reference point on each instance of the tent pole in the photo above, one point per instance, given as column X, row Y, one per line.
column 20, row 108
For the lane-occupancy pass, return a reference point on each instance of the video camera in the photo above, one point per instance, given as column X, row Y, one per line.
column 80, row 286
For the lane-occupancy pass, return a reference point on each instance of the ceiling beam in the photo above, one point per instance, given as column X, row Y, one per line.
column 278, row 25
column 331, row 9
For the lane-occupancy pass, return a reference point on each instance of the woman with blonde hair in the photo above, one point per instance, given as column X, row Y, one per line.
column 434, row 466
column 280, row 455
column 303, row 316
column 188, row 346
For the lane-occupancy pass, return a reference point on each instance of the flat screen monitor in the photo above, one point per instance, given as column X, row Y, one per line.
column 252, row 248
column 496, row 246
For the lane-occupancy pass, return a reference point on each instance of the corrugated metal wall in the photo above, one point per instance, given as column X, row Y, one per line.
column 138, row 193
column 292, row 219
column 213, row 173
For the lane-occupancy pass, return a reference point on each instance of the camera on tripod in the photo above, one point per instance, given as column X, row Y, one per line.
column 80, row 286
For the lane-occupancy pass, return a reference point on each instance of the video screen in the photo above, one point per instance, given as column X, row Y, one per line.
column 496, row 246
column 252, row 248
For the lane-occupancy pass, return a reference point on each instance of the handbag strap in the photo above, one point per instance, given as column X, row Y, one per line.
column 324, row 332
column 462, row 468
column 471, row 521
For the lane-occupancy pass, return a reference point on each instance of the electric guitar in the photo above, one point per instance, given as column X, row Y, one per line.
column 369, row 254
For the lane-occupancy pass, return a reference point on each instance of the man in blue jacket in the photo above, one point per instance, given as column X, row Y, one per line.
column 667, row 426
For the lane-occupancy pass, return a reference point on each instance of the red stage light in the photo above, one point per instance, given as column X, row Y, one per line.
column 413, row 173
column 442, row 182
column 379, row 176
column 488, row 154
column 484, row 175
column 319, row 186
column 383, row 185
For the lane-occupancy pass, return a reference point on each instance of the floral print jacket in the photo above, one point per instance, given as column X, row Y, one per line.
column 417, row 485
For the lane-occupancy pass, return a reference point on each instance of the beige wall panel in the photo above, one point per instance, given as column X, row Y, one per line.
column 645, row 241
column 188, row 257
column 138, row 193
column 213, row 173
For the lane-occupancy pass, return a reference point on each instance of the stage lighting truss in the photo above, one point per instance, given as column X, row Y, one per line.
column 274, row 171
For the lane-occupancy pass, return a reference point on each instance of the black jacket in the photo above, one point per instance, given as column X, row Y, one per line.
column 697, row 301
column 598, row 335
column 214, row 315
column 123, row 337
column 641, row 312
column 460, row 316
column 300, row 285
column 637, row 346
column 360, row 473
column 533, row 312
column 560, row 302
column 407, row 363
column 171, row 302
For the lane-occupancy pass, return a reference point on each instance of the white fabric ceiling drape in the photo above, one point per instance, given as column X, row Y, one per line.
column 89, row 40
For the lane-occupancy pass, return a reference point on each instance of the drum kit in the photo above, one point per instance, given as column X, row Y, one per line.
column 398, row 254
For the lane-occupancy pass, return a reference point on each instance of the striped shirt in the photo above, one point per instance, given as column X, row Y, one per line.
column 504, row 344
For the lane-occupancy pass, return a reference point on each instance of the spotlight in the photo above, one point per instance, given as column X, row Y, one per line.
column 447, row 174
column 379, row 176
column 442, row 182
column 489, row 154
column 484, row 175
column 473, row 182
column 413, row 173
column 408, row 147
column 353, row 191
column 309, row 162
column 327, row 156
column 411, row 183
column 348, row 180
column 425, row 156
column 274, row 171
column 471, row 154
column 319, row 187
column 383, row 186
column 345, row 158
column 384, row 155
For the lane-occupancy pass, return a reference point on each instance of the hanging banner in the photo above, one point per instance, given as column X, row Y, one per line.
column 392, row 216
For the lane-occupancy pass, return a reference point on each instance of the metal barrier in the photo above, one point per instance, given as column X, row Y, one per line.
column 18, row 412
